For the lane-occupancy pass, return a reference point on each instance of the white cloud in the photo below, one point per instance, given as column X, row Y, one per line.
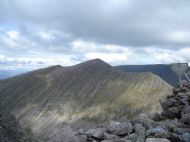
column 65, row 32
column 179, row 36
column 80, row 50
column 113, row 58
column 34, row 62
column 13, row 35
column 46, row 36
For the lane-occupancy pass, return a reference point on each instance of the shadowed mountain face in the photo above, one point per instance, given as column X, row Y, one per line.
column 10, row 129
column 80, row 95
column 163, row 71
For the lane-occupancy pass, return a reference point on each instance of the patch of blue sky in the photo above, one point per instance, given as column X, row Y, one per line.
column 8, row 26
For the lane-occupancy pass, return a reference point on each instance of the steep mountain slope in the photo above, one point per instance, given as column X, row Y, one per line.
column 163, row 71
column 80, row 95
column 10, row 130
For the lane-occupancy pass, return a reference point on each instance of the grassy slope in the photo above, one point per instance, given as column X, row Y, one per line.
column 91, row 91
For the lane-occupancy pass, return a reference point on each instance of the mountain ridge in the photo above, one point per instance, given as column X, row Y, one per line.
column 80, row 95
column 164, row 71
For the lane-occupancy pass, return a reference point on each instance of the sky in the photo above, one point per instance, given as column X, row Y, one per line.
column 39, row 33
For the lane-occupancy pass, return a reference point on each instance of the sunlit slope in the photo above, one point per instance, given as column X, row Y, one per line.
column 91, row 91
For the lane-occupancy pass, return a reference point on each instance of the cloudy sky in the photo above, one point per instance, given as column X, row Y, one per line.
column 38, row 33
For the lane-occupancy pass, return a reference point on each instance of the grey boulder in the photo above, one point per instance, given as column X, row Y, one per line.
column 154, row 116
column 186, row 118
column 144, row 120
column 157, row 132
column 157, row 140
column 97, row 133
column 186, row 109
column 118, row 128
column 108, row 136
column 139, row 129
column 167, row 103
column 172, row 112
column 64, row 135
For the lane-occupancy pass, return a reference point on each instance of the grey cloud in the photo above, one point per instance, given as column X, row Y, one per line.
column 130, row 24
column 124, row 22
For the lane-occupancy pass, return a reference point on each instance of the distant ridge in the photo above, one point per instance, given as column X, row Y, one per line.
column 164, row 71
column 81, row 95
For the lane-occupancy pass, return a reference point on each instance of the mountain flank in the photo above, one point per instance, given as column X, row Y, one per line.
column 10, row 129
column 82, row 96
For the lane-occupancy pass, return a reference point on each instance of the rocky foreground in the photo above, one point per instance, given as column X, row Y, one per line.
column 170, row 125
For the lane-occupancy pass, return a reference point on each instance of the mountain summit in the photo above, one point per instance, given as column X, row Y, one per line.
column 95, row 62
column 81, row 95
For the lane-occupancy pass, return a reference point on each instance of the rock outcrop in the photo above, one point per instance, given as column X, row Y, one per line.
column 170, row 125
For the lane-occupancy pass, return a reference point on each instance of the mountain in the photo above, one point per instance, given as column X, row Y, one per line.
column 81, row 95
column 162, row 70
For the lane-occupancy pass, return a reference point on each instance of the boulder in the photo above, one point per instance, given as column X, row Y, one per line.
column 121, row 140
column 97, row 133
column 169, row 125
column 172, row 112
column 64, row 135
column 131, row 137
column 176, row 90
column 144, row 120
column 186, row 137
column 80, row 132
column 187, row 94
column 174, row 137
column 110, row 141
column 167, row 103
column 108, row 136
column 186, row 109
column 140, row 139
column 157, row 132
column 118, row 128
column 139, row 129
column 186, row 118
column 181, row 124
column 154, row 116
column 82, row 138
column 183, row 101
column 157, row 140
column 184, row 89
column 93, row 141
